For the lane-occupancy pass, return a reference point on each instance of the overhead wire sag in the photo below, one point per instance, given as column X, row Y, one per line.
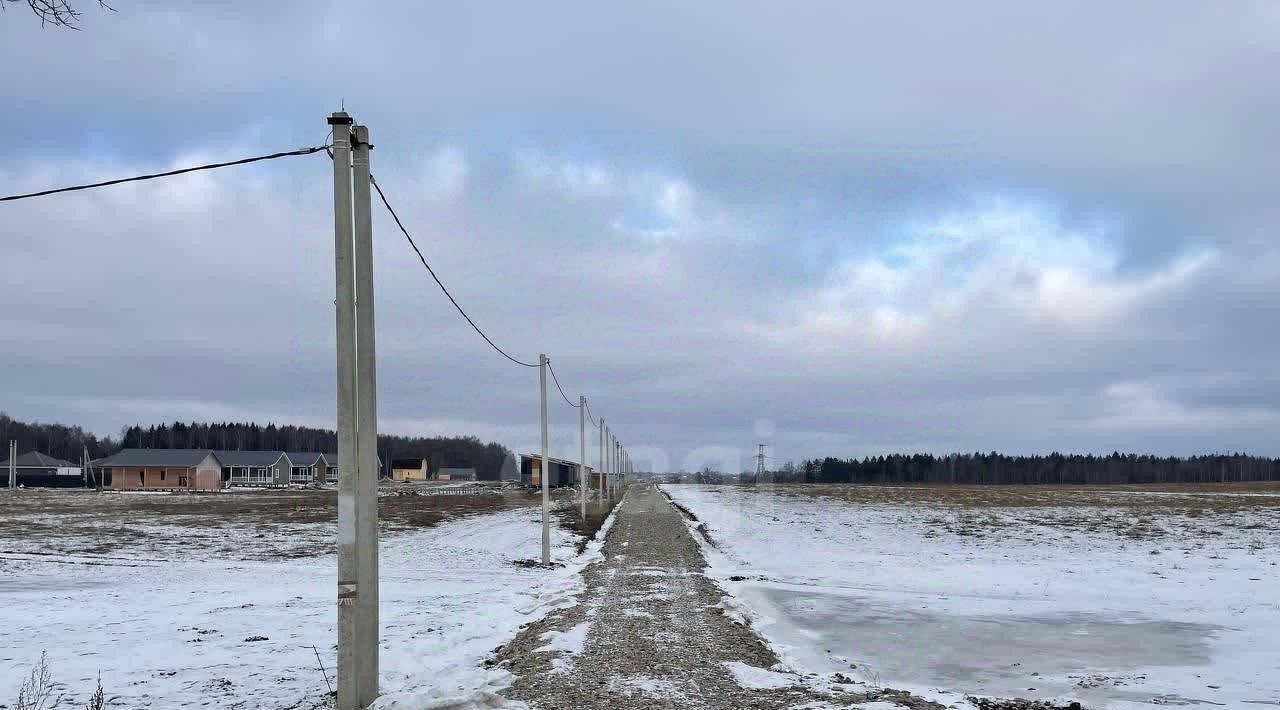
column 439, row 283
column 557, row 381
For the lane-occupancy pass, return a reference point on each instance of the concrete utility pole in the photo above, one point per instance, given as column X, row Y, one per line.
column 582, row 456
column 366, row 414
column 546, row 465
column 13, row 464
column 600, row 471
column 357, row 412
column 605, row 489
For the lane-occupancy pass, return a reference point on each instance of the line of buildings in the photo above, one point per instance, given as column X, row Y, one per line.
column 206, row 469
column 211, row 469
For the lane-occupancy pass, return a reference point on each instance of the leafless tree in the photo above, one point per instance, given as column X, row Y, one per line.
column 36, row 692
column 59, row 13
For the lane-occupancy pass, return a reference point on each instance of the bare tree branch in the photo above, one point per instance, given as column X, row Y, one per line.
column 58, row 13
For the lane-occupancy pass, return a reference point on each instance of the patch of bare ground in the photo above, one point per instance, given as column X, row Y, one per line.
column 569, row 515
column 292, row 523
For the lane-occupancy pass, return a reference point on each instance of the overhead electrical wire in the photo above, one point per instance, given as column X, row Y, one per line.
column 385, row 203
column 557, row 381
column 439, row 283
column 180, row 171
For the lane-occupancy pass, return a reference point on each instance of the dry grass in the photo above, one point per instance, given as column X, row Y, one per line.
column 570, row 517
column 1191, row 496
column 290, row 523
column 1137, row 512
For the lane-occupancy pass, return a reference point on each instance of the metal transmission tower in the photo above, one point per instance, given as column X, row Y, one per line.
column 760, row 457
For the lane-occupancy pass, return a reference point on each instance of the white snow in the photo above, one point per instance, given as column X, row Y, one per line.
column 885, row 593
column 169, row 629
column 567, row 645
column 647, row 687
column 754, row 678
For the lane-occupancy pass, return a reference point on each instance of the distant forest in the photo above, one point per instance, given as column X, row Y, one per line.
column 64, row 442
column 994, row 468
column 68, row 442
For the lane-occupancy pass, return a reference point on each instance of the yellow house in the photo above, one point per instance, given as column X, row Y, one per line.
column 409, row 469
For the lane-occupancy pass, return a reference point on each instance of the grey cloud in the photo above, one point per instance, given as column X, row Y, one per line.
column 819, row 131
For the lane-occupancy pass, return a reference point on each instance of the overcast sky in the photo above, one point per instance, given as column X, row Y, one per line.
column 836, row 228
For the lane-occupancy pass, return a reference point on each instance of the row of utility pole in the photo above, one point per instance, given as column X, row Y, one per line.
column 614, row 462
column 358, row 631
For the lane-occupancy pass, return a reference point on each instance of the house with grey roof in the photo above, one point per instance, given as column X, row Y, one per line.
column 255, row 468
column 312, row 467
column 41, row 470
column 164, row 469
column 456, row 474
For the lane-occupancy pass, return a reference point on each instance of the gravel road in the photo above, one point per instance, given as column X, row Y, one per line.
column 649, row 633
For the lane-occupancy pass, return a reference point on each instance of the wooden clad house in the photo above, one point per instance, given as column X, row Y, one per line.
column 409, row 469
column 164, row 469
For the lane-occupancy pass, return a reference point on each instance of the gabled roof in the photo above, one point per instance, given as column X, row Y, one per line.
column 35, row 459
column 178, row 458
column 249, row 458
column 306, row 458
column 407, row 463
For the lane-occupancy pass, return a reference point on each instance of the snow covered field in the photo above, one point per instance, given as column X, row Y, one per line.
column 1118, row 598
column 173, row 621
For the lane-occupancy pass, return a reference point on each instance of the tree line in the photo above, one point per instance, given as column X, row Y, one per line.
column 488, row 459
column 1055, row 468
column 68, row 442
column 58, row 440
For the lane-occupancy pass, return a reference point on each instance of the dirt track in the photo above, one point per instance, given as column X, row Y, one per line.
column 655, row 636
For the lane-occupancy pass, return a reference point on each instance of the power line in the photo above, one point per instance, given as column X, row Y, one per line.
column 180, row 171
column 557, row 381
column 593, row 419
column 439, row 283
